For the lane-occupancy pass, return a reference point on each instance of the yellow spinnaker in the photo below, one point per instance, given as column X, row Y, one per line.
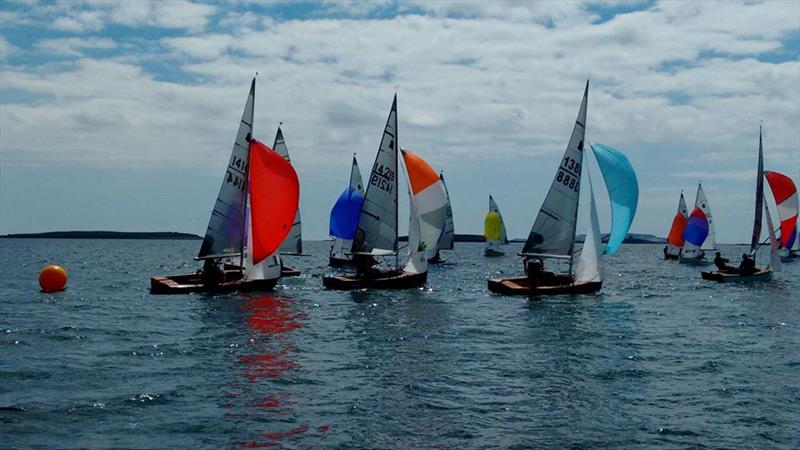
column 492, row 226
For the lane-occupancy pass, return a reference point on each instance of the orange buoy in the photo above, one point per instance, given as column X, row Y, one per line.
column 53, row 278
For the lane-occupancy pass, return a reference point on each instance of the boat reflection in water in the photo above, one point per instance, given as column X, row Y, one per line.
column 265, row 365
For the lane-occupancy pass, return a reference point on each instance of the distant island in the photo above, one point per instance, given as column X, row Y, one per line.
column 105, row 235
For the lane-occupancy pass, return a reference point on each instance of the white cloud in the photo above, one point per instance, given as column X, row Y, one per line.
column 74, row 46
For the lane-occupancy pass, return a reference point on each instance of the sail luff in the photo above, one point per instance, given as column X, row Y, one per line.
column 759, row 195
column 553, row 231
column 225, row 234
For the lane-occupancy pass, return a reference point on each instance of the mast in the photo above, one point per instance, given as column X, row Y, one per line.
column 246, row 189
column 396, row 186
column 759, row 195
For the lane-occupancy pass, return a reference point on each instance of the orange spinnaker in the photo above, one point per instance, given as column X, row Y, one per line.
column 420, row 173
column 676, row 232
column 274, row 193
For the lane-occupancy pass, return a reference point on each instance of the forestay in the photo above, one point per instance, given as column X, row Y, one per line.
column 377, row 223
column 553, row 231
column 225, row 232
column 293, row 244
column 623, row 192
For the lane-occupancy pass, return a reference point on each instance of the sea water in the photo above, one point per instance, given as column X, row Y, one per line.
column 659, row 358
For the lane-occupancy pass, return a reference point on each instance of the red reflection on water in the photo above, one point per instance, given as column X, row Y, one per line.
column 270, row 315
column 266, row 366
column 272, row 401
column 282, row 434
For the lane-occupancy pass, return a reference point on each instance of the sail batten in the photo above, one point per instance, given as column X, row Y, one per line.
column 226, row 227
column 553, row 231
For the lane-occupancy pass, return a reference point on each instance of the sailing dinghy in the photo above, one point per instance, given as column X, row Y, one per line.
column 494, row 230
column 785, row 193
column 675, row 239
column 447, row 241
column 344, row 219
column 376, row 234
column 553, row 233
column 253, row 213
column 699, row 235
column 765, row 273
column 293, row 244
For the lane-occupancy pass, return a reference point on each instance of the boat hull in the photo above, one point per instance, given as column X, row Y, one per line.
column 492, row 253
column 337, row 262
column 185, row 284
column 699, row 261
column 289, row 272
column 561, row 284
column 396, row 279
column 721, row 277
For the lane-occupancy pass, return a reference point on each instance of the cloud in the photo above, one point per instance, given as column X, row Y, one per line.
column 74, row 46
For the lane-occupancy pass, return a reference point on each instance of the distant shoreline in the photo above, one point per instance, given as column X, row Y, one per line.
column 161, row 235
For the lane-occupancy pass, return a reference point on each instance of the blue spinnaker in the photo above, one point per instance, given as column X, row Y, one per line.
column 696, row 228
column 345, row 213
column 623, row 191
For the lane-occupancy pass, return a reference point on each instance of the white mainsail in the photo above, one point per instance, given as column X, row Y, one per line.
column 448, row 236
column 377, row 225
column 553, row 231
column 226, row 227
column 588, row 267
column 293, row 244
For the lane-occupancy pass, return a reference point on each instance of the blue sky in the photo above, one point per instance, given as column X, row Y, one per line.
column 121, row 115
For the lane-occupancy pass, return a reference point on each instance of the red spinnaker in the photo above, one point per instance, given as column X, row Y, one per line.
column 785, row 193
column 676, row 232
column 274, row 194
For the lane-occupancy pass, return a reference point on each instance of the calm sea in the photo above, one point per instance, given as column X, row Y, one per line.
column 659, row 359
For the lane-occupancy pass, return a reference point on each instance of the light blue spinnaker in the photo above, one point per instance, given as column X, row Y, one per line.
column 623, row 191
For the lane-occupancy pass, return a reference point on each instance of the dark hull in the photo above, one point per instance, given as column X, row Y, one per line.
column 289, row 272
column 396, row 279
column 336, row 262
column 722, row 277
column 185, row 284
column 561, row 284
column 671, row 257
column 492, row 253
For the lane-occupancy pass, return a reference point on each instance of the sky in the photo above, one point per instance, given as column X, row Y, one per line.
column 122, row 115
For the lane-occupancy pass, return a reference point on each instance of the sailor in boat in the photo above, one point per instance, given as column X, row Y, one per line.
column 722, row 264
column 212, row 275
column 665, row 251
column 747, row 266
